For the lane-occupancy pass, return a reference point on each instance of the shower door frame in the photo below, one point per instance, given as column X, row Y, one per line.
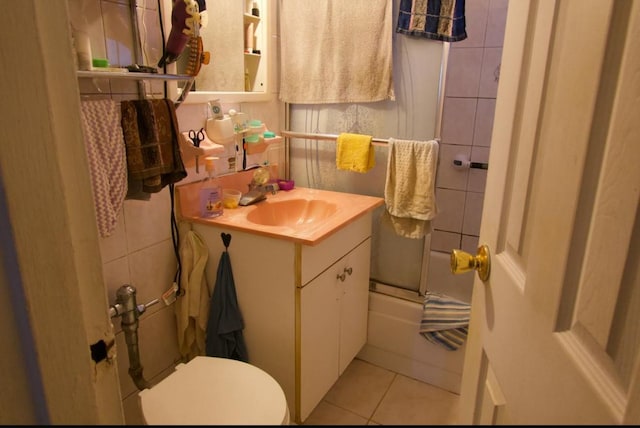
column 375, row 286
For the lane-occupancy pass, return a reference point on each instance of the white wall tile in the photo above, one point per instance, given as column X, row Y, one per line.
column 472, row 213
column 450, row 210
column 496, row 23
column 463, row 72
column 490, row 72
column 148, row 222
column 458, row 120
column 118, row 34
column 478, row 177
column 484, row 122
column 476, row 13
column 115, row 245
column 444, row 241
column 158, row 337
column 151, row 44
column 152, row 271
column 469, row 244
column 86, row 15
column 449, row 176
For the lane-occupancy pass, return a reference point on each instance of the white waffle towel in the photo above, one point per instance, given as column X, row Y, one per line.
column 107, row 159
column 409, row 191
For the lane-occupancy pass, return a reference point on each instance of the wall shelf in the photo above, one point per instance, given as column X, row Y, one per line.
column 131, row 75
column 127, row 75
column 248, row 18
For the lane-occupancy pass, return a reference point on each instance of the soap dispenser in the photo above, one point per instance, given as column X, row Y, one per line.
column 211, row 191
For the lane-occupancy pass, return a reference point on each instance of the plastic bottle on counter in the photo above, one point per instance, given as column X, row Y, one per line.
column 211, row 191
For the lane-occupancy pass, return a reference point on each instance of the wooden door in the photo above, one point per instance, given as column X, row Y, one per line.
column 554, row 334
column 51, row 274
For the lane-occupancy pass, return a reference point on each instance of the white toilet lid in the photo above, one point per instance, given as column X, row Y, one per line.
column 215, row 391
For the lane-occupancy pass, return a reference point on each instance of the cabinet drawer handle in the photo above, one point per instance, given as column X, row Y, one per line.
column 342, row 276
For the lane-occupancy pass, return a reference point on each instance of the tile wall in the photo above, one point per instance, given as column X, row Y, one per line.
column 470, row 96
column 140, row 251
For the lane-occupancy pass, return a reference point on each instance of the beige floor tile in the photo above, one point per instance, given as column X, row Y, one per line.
column 329, row 414
column 360, row 388
column 411, row 402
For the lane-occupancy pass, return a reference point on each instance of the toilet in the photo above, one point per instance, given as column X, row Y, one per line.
column 215, row 391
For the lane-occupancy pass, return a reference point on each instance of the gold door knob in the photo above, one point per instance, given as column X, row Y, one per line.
column 462, row 262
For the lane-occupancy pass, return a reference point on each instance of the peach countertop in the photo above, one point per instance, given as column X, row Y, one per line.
column 349, row 208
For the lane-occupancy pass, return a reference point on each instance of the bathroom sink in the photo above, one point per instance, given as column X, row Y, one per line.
column 291, row 212
column 303, row 215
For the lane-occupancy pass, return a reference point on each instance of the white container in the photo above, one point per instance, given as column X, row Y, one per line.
column 221, row 130
column 82, row 44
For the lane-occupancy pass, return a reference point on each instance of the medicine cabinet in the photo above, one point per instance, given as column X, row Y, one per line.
column 241, row 46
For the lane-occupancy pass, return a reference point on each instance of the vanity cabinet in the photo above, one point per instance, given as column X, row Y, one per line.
column 305, row 307
column 333, row 323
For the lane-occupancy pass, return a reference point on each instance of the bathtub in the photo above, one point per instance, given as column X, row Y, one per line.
column 393, row 340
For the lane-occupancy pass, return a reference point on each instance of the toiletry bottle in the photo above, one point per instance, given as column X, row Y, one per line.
column 211, row 191
column 247, row 80
column 83, row 50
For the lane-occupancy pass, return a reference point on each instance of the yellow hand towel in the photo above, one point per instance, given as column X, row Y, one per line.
column 355, row 152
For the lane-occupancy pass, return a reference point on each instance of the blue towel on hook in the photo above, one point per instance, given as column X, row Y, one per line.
column 442, row 20
column 445, row 320
column 225, row 324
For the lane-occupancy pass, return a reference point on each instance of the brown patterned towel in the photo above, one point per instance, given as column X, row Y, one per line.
column 150, row 129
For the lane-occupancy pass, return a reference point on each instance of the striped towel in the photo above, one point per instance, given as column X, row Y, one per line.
column 105, row 149
column 442, row 20
column 445, row 320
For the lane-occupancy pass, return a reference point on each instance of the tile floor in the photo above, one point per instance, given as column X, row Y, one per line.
column 366, row 394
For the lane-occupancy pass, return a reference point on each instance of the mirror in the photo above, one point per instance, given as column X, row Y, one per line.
column 238, row 42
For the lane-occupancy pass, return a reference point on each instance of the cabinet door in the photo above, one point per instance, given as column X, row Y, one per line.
column 354, row 307
column 319, row 339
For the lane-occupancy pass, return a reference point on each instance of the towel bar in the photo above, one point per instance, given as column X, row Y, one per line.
column 374, row 141
column 313, row 136
column 467, row 164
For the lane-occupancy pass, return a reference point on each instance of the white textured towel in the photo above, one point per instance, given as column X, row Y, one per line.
column 192, row 308
column 104, row 143
column 409, row 191
column 336, row 51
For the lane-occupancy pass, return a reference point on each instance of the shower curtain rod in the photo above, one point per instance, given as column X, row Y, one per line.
column 374, row 141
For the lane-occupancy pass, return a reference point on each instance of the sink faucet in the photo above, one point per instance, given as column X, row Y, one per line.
column 258, row 187
column 257, row 192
